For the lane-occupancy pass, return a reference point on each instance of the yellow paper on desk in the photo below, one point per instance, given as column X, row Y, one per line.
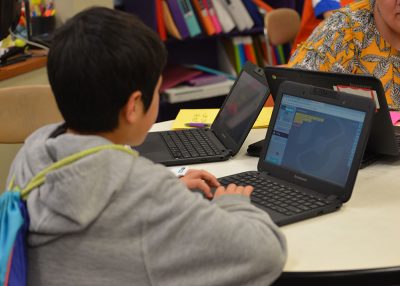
column 207, row 116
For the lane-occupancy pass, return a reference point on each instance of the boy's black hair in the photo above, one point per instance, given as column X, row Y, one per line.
column 96, row 60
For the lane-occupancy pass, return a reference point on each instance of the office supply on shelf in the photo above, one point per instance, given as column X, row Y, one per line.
column 173, row 75
column 238, row 48
column 226, row 58
column 311, row 155
column 261, row 61
column 239, row 14
column 226, row 134
column 205, row 79
column 187, row 93
column 227, row 23
column 204, row 17
column 262, row 5
column 208, row 115
column 254, row 13
column 248, row 47
column 178, row 17
column 14, row 60
column 280, row 55
column 210, row 70
column 189, row 17
column 213, row 15
column 161, row 28
column 169, row 21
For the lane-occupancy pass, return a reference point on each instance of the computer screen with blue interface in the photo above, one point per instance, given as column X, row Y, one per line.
column 315, row 138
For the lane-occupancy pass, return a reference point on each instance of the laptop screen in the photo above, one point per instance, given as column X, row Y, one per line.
column 315, row 138
column 241, row 107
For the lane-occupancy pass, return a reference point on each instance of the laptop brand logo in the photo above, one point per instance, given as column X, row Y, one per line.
column 297, row 177
column 223, row 135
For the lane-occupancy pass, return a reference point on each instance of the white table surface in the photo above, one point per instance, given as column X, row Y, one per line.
column 364, row 233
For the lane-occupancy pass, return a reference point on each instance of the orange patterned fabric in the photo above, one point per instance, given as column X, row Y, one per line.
column 349, row 42
column 309, row 21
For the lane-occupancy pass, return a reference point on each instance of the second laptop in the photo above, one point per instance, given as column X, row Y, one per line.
column 225, row 136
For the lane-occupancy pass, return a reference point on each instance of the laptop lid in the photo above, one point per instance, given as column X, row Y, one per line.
column 241, row 107
column 316, row 138
column 382, row 138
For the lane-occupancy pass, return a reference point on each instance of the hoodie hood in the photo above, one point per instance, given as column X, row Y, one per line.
column 74, row 195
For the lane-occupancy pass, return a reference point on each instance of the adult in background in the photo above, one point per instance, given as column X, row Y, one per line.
column 313, row 13
column 361, row 38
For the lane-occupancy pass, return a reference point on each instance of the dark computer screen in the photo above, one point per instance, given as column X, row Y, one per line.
column 314, row 138
column 9, row 16
column 240, row 107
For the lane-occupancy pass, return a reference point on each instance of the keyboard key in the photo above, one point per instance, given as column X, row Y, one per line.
column 273, row 195
column 189, row 143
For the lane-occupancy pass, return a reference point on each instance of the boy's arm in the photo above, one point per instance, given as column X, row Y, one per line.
column 191, row 241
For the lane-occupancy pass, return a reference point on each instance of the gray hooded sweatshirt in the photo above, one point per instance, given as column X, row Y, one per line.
column 115, row 219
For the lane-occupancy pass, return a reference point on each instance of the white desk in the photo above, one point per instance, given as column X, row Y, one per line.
column 364, row 233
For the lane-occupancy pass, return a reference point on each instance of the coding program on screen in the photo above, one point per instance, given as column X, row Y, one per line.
column 314, row 138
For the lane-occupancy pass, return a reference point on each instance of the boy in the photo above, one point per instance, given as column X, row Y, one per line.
column 112, row 218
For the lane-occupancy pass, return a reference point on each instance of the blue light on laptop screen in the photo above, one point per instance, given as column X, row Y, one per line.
column 315, row 138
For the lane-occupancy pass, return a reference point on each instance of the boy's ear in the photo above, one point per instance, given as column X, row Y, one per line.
column 133, row 107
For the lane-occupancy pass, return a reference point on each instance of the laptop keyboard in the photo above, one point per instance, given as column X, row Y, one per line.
column 189, row 143
column 280, row 198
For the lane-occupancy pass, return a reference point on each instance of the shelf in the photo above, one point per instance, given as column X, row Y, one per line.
column 38, row 60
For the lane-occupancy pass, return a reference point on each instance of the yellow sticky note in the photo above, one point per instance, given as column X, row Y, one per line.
column 263, row 119
column 185, row 116
column 207, row 116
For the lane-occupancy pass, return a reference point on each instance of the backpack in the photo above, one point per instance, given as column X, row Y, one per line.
column 14, row 219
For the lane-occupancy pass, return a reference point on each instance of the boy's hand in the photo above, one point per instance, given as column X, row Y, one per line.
column 202, row 180
column 233, row 189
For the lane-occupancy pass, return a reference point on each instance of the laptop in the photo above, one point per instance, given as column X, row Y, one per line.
column 312, row 152
column 384, row 137
column 225, row 136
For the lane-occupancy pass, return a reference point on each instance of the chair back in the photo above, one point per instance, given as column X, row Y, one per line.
column 282, row 25
column 23, row 109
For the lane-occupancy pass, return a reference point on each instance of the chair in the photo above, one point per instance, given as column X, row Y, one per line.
column 23, row 109
column 281, row 25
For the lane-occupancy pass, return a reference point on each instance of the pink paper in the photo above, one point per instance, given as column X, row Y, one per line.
column 395, row 115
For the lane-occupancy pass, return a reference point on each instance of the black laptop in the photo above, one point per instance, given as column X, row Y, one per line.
column 312, row 152
column 227, row 133
column 384, row 137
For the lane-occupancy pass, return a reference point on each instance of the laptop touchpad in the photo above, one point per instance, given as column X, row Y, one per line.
column 154, row 148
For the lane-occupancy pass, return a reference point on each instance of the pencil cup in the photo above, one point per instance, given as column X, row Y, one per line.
column 42, row 25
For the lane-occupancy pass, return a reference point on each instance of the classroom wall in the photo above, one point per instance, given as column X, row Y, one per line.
column 65, row 9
